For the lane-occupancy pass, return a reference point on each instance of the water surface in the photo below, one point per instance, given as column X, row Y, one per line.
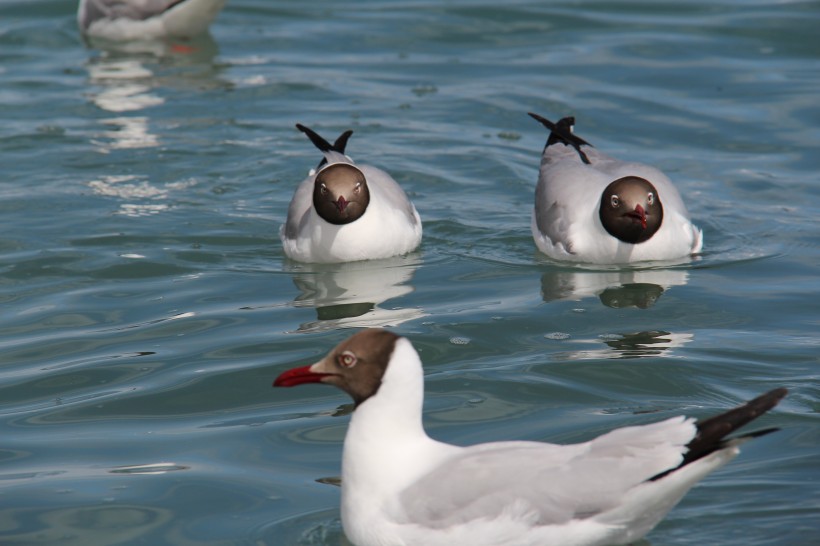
column 147, row 304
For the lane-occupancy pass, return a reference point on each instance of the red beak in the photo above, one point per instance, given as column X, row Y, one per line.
column 639, row 215
column 297, row 376
column 342, row 203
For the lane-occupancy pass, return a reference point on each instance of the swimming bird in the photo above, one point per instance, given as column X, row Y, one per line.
column 131, row 20
column 592, row 208
column 401, row 487
column 344, row 212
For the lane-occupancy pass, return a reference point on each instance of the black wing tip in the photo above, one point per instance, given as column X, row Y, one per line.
column 562, row 128
column 322, row 144
column 712, row 432
column 758, row 433
column 745, row 413
column 562, row 132
column 778, row 393
column 542, row 120
column 341, row 142
column 768, row 400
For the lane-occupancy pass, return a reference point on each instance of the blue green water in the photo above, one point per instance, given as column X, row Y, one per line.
column 147, row 304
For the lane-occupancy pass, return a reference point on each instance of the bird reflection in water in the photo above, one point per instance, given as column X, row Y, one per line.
column 126, row 82
column 651, row 343
column 639, row 288
column 351, row 295
column 639, row 344
column 640, row 295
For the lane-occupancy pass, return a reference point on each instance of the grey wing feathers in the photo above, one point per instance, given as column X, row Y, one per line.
column 382, row 183
column 129, row 9
column 300, row 204
column 551, row 221
column 556, row 483
column 478, row 484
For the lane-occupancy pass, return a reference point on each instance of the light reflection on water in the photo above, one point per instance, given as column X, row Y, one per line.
column 148, row 306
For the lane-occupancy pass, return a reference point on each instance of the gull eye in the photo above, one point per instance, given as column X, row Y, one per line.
column 323, row 189
column 615, row 201
column 650, row 198
column 347, row 359
column 358, row 187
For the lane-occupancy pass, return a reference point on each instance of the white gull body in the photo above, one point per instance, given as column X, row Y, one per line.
column 390, row 226
column 402, row 488
column 133, row 20
column 566, row 224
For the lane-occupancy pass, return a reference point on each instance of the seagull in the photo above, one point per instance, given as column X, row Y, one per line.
column 132, row 20
column 344, row 212
column 592, row 208
column 400, row 487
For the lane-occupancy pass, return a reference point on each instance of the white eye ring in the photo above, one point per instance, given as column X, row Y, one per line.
column 650, row 198
column 614, row 201
column 347, row 359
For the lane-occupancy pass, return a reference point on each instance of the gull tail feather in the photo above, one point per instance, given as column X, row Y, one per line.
column 712, row 432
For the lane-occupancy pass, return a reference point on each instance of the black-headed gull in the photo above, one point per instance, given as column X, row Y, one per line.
column 592, row 208
column 127, row 20
column 400, row 487
column 344, row 212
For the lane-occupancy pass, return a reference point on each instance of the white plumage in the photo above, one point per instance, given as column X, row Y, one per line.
column 390, row 225
column 566, row 223
column 402, row 488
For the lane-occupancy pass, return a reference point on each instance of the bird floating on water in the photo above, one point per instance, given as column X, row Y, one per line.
column 344, row 211
column 400, row 487
column 592, row 208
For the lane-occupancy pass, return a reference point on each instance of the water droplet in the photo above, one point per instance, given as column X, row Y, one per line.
column 459, row 340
